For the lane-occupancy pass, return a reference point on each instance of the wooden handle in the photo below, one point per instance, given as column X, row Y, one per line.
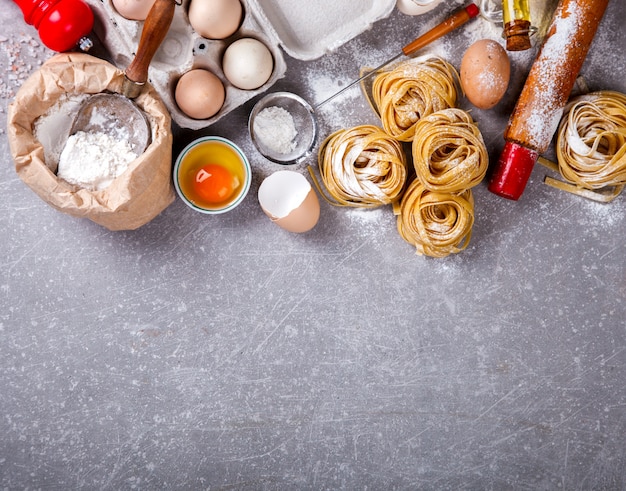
column 456, row 20
column 154, row 31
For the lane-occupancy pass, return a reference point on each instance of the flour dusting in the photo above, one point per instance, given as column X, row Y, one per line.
column 541, row 125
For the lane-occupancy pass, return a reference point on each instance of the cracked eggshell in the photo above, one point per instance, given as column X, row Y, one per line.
column 289, row 200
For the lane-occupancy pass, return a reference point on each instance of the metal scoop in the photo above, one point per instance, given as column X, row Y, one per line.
column 116, row 114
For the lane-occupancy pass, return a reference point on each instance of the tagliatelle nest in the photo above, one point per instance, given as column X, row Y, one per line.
column 449, row 153
column 362, row 167
column 412, row 90
column 591, row 140
column 437, row 224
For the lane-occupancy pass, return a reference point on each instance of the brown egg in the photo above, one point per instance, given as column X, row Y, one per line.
column 485, row 73
column 200, row 94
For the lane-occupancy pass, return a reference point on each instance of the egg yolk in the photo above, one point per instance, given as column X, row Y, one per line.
column 214, row 183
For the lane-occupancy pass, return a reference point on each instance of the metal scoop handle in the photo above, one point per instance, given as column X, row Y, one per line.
column 451, row 23
column 155, row 28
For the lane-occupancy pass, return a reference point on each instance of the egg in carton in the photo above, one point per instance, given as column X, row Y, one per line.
column 183, row 50
column 305, row 30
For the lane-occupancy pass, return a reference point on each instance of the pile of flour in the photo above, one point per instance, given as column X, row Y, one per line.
column 93, row 160
column 275, row 129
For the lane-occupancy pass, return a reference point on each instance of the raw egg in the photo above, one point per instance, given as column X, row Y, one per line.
column 485, row 73
column 200, row 94
column 212, row 175
column 288, row 199
column 133, row 9
column 214, row 184
column 247, row 63
column 215, row 19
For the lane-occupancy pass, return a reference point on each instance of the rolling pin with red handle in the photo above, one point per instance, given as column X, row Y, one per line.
column 540, row 106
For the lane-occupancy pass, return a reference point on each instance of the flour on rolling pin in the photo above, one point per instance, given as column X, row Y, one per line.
column 548, row 93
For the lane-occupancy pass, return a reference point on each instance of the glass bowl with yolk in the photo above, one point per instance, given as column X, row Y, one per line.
column 212, row 175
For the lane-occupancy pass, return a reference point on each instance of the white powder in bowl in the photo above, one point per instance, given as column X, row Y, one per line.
column 93, row 160
column 275, row 129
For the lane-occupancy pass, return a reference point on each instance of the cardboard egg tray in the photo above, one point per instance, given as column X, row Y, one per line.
column 273, row 22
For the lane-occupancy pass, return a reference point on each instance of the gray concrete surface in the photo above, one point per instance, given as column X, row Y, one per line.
column 223, row 353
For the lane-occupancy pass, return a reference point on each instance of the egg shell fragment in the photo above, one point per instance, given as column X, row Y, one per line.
column 288, row 199
column 485, row 73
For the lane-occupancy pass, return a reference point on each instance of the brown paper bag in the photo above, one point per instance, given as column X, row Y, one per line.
column 133, row 198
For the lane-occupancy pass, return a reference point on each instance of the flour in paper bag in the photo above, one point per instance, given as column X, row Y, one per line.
column 93, row 160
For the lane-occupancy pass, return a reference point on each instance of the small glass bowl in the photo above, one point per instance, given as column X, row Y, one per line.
column 216, row 150
column 304, row 122
column 491, row 10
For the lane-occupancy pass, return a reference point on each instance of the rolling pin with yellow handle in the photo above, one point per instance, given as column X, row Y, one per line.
column 540, row 106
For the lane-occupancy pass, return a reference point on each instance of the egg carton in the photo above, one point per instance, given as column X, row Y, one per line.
column 305, row 30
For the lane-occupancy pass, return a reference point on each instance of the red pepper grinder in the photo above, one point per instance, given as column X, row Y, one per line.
column 62, row 24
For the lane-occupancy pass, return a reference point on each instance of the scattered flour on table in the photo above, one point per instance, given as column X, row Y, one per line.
column 93, row 160
column 371, row 222
column 602, row 215
column 275, row 129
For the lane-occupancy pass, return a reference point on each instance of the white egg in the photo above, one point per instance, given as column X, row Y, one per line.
column 247, row 63
column 289, row 201
column 215, row 19
column 133, row 9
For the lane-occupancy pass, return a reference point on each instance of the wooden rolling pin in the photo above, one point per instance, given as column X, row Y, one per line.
column 540, row 106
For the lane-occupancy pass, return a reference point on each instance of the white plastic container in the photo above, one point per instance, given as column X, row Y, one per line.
column 305, row 30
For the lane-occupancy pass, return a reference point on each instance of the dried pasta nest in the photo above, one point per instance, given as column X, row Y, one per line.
column 591, row 140
column 363, row 167
column 437, row 224
column 411, row 91
column 449, row 153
